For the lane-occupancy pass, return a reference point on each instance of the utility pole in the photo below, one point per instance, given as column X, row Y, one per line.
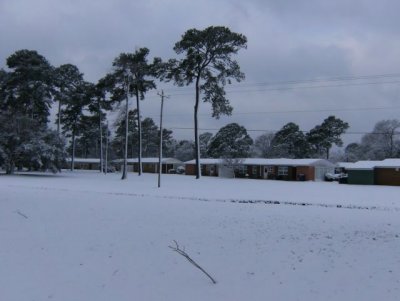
column 106, row 159
column 161, row 138
column 101, row 136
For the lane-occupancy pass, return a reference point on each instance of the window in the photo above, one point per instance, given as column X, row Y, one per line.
column 271, row 169
column 254, row 170
column 283, row 171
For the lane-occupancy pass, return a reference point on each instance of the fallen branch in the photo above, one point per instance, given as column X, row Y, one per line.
column 184, row 254
column 20, row 213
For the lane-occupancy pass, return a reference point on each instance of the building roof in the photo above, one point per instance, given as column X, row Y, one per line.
column 84, row 160
column 394, row 163
column 345, row 164
column 206, row 161
column 152, row 160
column 267, row 161
column 364, row 165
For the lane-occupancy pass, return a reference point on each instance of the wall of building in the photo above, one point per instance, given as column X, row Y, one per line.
column 364, row 177
column 255, row 171
column 190, row 169
column 307, row 171
column 387, row 176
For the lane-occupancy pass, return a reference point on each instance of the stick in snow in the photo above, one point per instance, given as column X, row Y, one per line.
column 184, row 254
column 20, row 213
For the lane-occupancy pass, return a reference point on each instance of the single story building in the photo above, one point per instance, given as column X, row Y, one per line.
column 84, row 163
column 288, row 169
column 362, row 172
column 209, row 167
column 387, row 172
column 150, row 165
column 262, row 168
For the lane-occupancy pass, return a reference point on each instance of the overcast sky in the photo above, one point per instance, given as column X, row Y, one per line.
column 287, row 41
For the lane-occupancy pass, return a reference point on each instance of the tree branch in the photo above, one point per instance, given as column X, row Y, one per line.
column 184, row 254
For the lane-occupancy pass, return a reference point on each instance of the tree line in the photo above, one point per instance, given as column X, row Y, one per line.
column 233, row 141
column 31, row 86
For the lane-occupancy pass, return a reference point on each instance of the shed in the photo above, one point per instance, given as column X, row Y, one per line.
column 362, row 172
column 387, row 172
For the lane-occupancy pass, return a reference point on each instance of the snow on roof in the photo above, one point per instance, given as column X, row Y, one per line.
column 389, row 163
column 265, row 161
column 153, row 160
column 84, row 160
column 372, row 164
column 364, row 165
column 206, row 161
column 345, row 164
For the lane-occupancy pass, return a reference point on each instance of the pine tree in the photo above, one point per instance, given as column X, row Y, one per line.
column 208, row 63
column 72, row 115
column 290, row 142
column 29, row 85
column 131, row 77
column 324, row 136
column 231, row 141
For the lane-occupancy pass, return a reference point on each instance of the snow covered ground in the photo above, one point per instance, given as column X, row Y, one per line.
column 86, row 236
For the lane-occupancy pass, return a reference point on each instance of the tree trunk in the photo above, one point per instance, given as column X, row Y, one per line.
column 124, row 171
column 140, row 133
column 196, row 130
column 106, row 158
column 73, row 151
column 101, row 140
column 59, row 118
column 10, row 168
column 161, row 142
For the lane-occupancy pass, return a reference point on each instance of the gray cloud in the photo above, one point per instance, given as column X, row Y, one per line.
column 288, row 40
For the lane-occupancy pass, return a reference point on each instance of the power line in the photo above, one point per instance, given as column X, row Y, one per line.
column 299, row 88
column 294, row 111
column 275, row 131
column 303, row 81
column 237, row 88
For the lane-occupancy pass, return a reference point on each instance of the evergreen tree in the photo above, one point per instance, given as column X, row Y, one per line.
column 289, row 142
column 72, row 115
column 67, row 78
column 231, row 141
column 29, row 85
column 28, row 143
column 208, row 63
column 324, row 136
column 25, row 98
column 204, row 140
column 150, row 136
column 118, row 142
column 130, row 77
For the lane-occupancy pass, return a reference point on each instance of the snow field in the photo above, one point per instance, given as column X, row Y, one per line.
column 86, row 236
